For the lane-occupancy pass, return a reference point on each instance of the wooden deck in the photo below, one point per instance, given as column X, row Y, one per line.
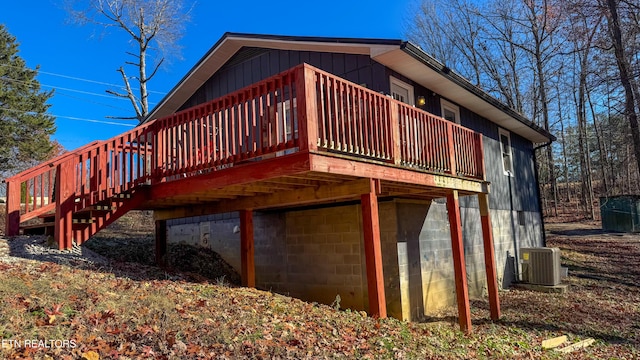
column 299, row 138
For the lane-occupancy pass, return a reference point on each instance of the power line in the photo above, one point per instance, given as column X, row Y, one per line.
column 83, row 79
column 70, row 117
column 72, row 90
column 93, row 121
column 62, row 93
column 97, row 82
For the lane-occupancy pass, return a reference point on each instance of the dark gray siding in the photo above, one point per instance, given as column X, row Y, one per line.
column 251, row 65
column 523, row 194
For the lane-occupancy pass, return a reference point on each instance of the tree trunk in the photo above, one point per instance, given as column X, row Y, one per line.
column 601, row 150
column 625, row 77
column 542, row 89
column 565, row 166
column 582, row 150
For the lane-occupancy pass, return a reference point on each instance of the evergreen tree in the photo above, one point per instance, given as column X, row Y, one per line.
column 25, row 127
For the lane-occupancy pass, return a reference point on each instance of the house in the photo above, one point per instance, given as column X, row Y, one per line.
column 326, row 168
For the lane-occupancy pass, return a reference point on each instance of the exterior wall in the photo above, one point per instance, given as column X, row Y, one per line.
column 311, row 254
column 250, row 65
column 428, row 278
column 316, row 254
column 325, row 256
column 415, row 238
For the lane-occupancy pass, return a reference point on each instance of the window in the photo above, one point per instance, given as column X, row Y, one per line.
column 402, row 91
column 450, row 111
column 505, row 148
column 288, row 119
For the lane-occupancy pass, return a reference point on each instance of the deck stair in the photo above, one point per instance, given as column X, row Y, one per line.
column 75, row 195
column 86, row 222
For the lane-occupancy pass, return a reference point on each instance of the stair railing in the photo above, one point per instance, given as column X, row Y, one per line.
column 80, row 178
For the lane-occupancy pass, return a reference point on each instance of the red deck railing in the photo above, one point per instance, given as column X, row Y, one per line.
column 247, row 124
column 302, row 109
column 354, row 120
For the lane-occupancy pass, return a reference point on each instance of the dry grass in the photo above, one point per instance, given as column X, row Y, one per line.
column 138, row 311
column 3, row 217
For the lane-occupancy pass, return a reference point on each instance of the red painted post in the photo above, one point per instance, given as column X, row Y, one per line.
column 65, row 202
column 489, row 256
column 480, row 154
column 12, row 227
column 307, row 108
column 373, row 252
column 158, row 150
column 161, row 242
column 457, row 247
column 246, row 249
column 451, row 148
column 394, row 123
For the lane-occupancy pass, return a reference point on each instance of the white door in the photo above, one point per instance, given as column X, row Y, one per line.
column 402, row 91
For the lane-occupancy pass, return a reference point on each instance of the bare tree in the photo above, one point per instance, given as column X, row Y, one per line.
column 625, row 71
column 154, row 27
column 449, row 31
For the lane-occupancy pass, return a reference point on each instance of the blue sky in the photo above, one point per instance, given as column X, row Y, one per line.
column 80, row 62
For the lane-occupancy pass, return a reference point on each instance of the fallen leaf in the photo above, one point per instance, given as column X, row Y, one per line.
column 90, row 355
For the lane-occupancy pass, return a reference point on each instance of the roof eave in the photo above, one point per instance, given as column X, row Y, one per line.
column 268, row 41
column 230, row 43
column 457, row 79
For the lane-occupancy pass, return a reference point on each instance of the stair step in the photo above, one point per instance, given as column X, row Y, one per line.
column 37, row 226
column 47, row 216
column 101, row 208
column 45, row 228
column 83, row 221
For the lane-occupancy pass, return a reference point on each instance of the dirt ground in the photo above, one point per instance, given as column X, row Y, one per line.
column 603, row 303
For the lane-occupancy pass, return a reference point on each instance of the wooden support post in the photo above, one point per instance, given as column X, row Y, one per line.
column 480, row 160
column 161, row 242
column 373, row 252
column 457, row 247
column 12, row 226
column 158, row 164
column 307, row 108
column 489, row 256
column 451, row 149
column 394, row 117
column 65, row 202
column 246, row 249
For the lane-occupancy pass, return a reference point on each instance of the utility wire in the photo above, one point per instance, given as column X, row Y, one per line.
column 70, row 117
column 72, row 90
column 83, row 79
column 62, row 93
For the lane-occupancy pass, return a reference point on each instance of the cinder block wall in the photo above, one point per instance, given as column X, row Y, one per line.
column 325, row 256
column 316, row 254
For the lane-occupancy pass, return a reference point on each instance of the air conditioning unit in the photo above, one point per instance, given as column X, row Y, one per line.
column 540, row 266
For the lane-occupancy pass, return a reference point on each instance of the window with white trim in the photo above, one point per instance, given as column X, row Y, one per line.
column 450, row 111
column 402, row 91
column 505, row 149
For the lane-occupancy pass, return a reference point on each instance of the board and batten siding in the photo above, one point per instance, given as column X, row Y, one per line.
column 523, row 195
column 251, row 65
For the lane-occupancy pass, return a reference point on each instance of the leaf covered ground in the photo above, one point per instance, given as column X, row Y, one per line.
column 131, row 311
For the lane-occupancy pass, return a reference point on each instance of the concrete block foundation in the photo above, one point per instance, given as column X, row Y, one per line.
column 316, row 254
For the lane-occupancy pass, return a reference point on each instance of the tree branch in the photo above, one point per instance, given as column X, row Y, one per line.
column 130, row 94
